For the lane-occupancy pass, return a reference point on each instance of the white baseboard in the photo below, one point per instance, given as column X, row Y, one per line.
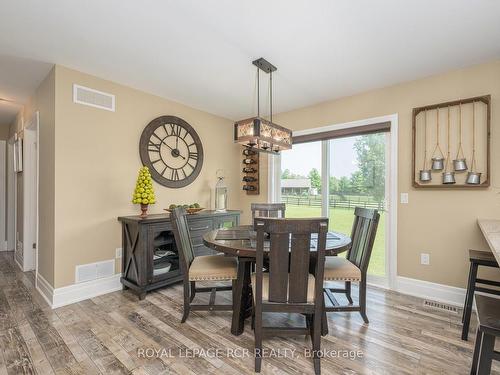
column 433, row 291
column 44, row 288
column 77, row 292
column 18, row 256
column 82, row 291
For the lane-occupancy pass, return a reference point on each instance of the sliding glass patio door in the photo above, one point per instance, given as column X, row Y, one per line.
column 301, row 182
column 332, row 177
column 358, row 179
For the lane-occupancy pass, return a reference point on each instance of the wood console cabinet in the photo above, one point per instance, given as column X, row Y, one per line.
column 150, row 259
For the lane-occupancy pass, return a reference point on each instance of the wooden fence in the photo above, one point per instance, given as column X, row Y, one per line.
column 333, row 203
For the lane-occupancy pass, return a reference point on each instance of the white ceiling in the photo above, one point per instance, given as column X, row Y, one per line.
column 199, row 52
column 18, row 80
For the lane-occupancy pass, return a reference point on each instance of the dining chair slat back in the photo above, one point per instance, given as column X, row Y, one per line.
column 268, row 210
column 289, row 254
column 290, row 287
column 363, row 234
column 182, row 238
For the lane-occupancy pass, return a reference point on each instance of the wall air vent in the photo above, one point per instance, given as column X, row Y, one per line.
column 93, row 98
column 440, row 306
column 93, row 271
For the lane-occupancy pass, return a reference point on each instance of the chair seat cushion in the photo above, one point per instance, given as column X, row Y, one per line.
column 213, row 267
column 265, row 287
column 338, row 268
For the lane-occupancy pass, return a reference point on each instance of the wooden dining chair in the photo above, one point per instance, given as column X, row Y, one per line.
column 354, row 267
column 208, row 268
column 288, row 287
column 267, row 210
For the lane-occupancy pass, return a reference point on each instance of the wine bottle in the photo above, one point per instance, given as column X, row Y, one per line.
column 248, row 161
column 249, row 187
column 249, row 170
column 249, row 179
column 249, row 151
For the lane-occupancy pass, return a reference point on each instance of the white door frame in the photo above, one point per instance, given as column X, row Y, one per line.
column 3, row 187
column 30, row 193
column 392, row 189
column 11, row 196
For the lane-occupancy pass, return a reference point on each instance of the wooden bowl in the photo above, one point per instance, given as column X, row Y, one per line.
column 190, row 211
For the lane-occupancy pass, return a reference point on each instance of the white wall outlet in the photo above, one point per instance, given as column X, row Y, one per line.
column 425, row 259
column 404, row 198
column 118, row 252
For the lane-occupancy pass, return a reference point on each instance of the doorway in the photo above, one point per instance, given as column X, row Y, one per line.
column 333, row 169
column 30, row 194
column 11, row 196
column 3, row 186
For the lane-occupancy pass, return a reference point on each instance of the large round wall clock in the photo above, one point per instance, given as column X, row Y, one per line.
column 172, row 151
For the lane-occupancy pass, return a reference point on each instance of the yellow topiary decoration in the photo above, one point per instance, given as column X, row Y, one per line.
column 144, row 193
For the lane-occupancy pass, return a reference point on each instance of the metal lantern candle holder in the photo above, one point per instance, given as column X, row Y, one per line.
column 438, row 160
column 425, row 175
column 460, row 162
column 448, row 176
column 473, row 177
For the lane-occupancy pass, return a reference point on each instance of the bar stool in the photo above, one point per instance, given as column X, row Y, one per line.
column 488, row 329
column 476, row 259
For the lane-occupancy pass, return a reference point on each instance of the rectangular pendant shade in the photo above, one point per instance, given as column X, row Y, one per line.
column 263, row 135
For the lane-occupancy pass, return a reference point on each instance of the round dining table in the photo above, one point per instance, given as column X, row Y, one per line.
column 241, row 242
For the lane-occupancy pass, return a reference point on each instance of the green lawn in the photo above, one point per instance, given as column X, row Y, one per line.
column 341, row 221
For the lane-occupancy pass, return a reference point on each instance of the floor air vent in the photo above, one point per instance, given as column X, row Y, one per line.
column 93, row 98
column 440, row 306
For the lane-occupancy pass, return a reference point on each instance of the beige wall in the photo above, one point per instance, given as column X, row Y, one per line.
column 89, row 160
column 97, row 160
column 442, row 223
column 43, row 101
column 4, row 132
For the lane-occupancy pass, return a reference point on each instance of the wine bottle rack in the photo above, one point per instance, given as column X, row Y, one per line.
column 250, row 170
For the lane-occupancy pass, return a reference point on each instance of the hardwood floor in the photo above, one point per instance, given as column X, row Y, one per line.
column 116, row 333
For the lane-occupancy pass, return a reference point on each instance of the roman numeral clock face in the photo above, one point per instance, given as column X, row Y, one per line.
column 172, row 150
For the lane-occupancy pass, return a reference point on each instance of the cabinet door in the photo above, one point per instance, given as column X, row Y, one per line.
column 227, row 221
column 162, row 253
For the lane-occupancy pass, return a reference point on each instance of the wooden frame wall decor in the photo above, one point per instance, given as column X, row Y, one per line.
column 458, row 129
column 250, row 170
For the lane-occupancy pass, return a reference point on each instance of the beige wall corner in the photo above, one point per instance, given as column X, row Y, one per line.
column 442, row 223
column 97, row 159
column 4, row 131
column 43, row 100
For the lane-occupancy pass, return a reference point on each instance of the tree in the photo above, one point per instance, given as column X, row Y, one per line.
column 315, row 178
column 285, row 174
column 334, row 185
column 370, row 150
column 344, row 186
column 357, row 183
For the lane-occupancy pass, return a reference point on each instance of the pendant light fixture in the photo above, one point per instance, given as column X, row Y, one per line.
column 257, row 132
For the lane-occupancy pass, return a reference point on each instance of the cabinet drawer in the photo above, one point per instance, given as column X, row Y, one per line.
column 199, row 227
